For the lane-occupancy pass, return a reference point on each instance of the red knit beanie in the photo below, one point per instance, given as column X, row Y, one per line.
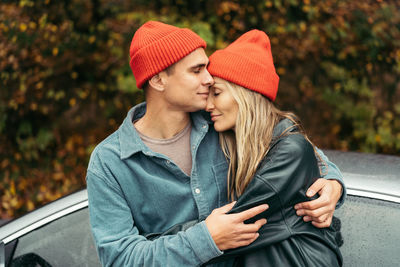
column 248, row 63
column 156, row 46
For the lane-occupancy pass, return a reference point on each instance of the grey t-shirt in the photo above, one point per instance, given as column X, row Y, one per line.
column 176, row 148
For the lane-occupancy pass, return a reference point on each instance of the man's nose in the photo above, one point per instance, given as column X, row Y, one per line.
column 208, row 79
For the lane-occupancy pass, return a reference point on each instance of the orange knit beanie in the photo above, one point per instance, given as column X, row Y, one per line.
column 247, row 62
column 156, row 46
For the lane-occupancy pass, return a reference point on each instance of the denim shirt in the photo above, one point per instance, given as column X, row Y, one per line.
column 134, row 191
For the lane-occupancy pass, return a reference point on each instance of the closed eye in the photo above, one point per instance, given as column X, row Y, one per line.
column 198, row 68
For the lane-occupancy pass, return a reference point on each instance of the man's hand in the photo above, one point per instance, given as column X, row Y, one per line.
column 320, row 211
column 228, row 230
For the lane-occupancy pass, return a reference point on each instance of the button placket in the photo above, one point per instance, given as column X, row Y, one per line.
column 201, row 202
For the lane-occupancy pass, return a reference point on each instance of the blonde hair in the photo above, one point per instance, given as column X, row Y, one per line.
column 249, row 144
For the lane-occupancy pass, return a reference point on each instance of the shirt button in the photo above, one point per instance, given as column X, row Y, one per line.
column 193, row 147
column 168, row 162
column 204, row 126
column 197, row 191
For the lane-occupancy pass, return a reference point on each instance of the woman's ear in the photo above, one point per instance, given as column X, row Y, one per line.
column 158, row 82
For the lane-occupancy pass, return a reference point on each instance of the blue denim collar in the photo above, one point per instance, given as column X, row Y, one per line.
column 129, row 139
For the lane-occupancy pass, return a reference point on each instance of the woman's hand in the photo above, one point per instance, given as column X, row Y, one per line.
column 320, row 211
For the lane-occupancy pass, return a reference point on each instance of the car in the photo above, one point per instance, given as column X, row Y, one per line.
column 58, row 234
column 371, row 212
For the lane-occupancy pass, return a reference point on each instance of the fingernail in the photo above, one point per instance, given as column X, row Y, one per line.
column 299, row 213
column 306, row 218
column 310, row 193
column 266, row 206
column 296, row 206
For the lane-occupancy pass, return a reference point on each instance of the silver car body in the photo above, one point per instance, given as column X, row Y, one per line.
column 369, row 216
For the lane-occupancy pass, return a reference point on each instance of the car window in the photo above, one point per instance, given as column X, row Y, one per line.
column 370, row 232
column 64, row 242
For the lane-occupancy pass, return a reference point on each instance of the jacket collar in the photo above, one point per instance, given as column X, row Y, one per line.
column 282, row 126
column 129, row 139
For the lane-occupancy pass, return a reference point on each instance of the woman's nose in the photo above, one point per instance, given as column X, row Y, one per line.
column 210, row 104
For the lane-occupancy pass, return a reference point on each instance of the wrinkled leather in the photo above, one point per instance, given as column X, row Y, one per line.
column 287, row 171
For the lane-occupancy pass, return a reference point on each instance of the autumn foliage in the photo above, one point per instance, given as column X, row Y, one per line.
column 66, row 81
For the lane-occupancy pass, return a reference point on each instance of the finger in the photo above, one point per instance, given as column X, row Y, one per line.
column 226, row 208
column 253, row 227
column 324, row 224
column 321, row 201
column 316, row 187
column 315, row 212
column 260, row 222
column 250, row 213
column 319, row 219
column 247, row 237
column 247, row 242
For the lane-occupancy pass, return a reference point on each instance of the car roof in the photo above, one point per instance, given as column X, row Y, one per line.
column 369, row 175
column 43, row 215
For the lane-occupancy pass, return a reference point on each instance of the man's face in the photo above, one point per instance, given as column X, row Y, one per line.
column 187, row 84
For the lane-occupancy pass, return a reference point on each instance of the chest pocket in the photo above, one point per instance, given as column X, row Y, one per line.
column 220, row 172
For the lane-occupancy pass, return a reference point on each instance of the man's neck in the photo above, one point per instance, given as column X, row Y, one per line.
column 161, row 123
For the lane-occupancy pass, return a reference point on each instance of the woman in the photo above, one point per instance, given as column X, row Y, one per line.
column 271, row 159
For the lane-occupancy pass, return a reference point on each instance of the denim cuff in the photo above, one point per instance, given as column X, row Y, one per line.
column 344, row 192
column 202, row 243
column 331, row 172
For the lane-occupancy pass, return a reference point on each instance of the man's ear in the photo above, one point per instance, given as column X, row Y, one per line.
column 158, row 82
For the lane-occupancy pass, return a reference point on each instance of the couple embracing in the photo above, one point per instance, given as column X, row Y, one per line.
column 234, row 185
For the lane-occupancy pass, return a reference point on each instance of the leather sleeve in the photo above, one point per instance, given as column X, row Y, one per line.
column 283, row 177
column 281, row 181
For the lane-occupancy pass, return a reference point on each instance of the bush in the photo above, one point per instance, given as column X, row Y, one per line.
column 66, row 81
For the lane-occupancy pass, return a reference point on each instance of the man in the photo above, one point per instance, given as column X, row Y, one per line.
column 164, row 166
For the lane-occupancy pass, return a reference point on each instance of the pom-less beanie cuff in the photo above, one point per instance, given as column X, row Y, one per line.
column 247, row 62
column 156, row 46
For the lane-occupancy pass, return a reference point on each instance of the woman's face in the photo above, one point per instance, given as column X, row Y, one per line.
column 222, row 106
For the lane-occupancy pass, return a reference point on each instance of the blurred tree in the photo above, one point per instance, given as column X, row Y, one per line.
column 66, row 81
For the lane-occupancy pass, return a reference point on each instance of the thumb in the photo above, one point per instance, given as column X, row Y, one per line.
column 316, row 187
